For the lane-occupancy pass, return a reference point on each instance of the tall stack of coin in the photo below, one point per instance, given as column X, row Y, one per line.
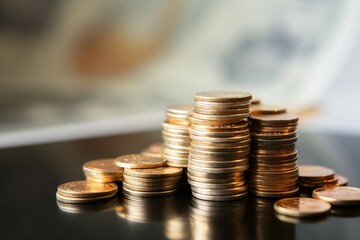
column 220, row 145
column 273, row 159
column 103, row 170
column 175, row 132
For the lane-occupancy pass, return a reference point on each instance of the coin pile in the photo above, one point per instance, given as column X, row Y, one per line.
column 314, row 176
column 151, row 182
column 176, row 137
column 86, row 192
column 220, row 144
column 273, row 160
column 103, row 170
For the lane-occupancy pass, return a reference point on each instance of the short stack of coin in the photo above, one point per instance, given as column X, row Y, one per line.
column 151, row 182
column 176, row 137
column 103, row 170
column 273, row 160
column 220, row 145
column 86, row 192
column 314, row 176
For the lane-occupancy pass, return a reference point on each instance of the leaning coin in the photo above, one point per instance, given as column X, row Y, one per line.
column 139, row 161
column 301, row 207
column 85, row 189
column 341, row 195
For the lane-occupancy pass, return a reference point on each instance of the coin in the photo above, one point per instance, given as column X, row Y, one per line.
column 342, row 180
column 138, row 161
column 259, row 109
column 67, row 199
column 315, row 172
column 84, row 189
column 301, row 207
column 154, row 172
column 275, row 194
column 341, row 195
column 273, row 119
column 223, row 96
column 149, row 194
column 220, row 198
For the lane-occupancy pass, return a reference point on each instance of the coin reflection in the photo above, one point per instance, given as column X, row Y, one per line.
column 87, row 207
column 264, row 222
column 146, row 210
column 218, row 220
column 343, row 211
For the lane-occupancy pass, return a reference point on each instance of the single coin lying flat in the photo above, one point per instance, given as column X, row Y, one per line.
column 301, row 207
column 139, row 161
column 341, row 195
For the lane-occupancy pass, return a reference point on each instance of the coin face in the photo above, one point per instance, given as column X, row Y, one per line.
column 315, row 172
column 106, row 166
column 301, row 207
column 223, row 96
column 139, row 161
column 341, row 195
column 154, row 172
column 85, row 189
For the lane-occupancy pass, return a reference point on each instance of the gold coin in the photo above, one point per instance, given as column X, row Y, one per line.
column 159, row 172
column 103, row 179
column 342, row 180
column 215, row 180
column 275, row 118
column 255, row 101
column 149, row 181
column 315, row 172
column 102, row 166
column 230, row 118
column 138, row 161
column 180, row 109
column 274, row 194
column 260, row 109
column 217, row 185
column 220, row 192
column 220, row 198
column 150, row 188
column 219, row 170
column 148, row 194
column 84, row 189
column 221, row 105
column 341, row 195
column 67, row 199
column 301, row 207
column 223, row 96
column 87, row 207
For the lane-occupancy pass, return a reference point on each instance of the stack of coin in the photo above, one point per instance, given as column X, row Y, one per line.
column 151, row 182
column 273, row 160
column 86, row 192
column 314, row 176
column 220, row 145
column 103, row 170
column 176, row 137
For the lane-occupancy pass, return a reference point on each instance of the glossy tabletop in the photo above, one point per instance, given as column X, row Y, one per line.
column 29, row 210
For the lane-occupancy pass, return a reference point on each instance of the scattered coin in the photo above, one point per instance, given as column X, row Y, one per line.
column 139, row 161
column 340, row 196
column 301, row 207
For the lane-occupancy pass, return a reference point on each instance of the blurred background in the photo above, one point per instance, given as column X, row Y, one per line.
column 86, row 68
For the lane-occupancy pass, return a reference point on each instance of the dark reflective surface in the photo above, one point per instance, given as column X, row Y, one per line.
column 30, row 176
